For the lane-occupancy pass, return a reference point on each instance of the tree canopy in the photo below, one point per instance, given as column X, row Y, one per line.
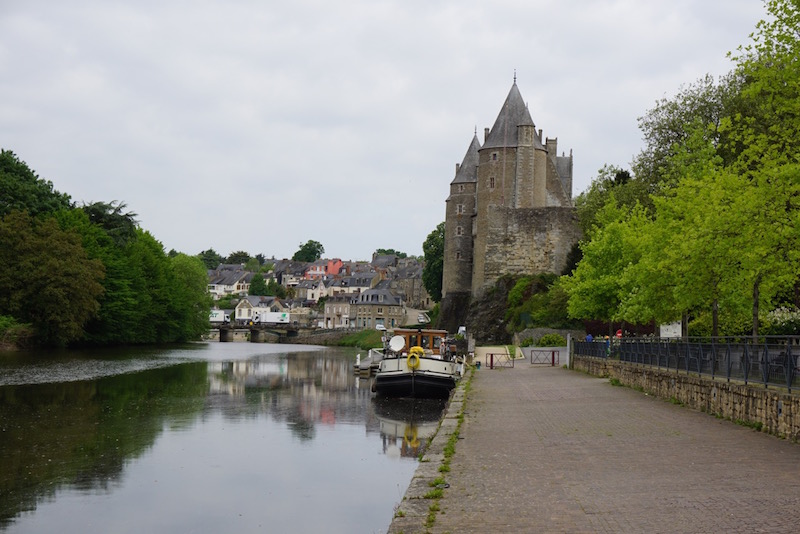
column 309, row 252
column 432, row 271
column 21, row 189
column 713, row 230
column 210, row 258
column 390, row 252
column 91, row 275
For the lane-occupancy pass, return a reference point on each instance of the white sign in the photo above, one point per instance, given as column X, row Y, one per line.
column 670, row 329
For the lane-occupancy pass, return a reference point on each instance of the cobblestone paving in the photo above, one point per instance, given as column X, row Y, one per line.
column 550, row 450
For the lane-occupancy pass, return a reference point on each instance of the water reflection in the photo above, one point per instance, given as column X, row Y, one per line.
column 82, row 433
column 406, row 425
column 67, row 436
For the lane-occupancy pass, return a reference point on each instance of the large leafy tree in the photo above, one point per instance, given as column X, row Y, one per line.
column 189, row 298
column 310, row 251
column 117, row 313
column 610, row 180
column 240, row 257
column 432, row 271
column 210, row 258
column 47, row 278
column 596, row 288
column 112, row 218
column 722, row 165
column 258, row 286
column 274, row 289
column 21, row 189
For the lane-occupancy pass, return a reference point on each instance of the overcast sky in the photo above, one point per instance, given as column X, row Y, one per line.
column 258, row 125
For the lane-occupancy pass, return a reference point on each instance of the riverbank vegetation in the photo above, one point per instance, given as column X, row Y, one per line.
column 706, row 225
column 365, row 339
column 88, row 274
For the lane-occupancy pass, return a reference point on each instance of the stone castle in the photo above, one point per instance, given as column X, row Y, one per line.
column 510, row 210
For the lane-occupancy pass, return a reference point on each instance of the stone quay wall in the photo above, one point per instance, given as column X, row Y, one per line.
column 772, row 410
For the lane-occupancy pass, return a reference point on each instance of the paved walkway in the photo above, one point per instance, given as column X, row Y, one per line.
column 545, row 449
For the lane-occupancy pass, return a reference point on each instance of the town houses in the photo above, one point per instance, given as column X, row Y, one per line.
column 385, row 292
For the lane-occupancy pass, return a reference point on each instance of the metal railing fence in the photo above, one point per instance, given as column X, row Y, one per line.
column 769, row 361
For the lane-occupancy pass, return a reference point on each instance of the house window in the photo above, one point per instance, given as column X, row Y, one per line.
column 491, row 182
column 380, row 310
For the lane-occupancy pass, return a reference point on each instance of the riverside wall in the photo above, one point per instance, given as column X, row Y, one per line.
column 772, row 410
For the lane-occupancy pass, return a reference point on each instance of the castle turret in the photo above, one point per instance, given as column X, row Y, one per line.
column 458, row 231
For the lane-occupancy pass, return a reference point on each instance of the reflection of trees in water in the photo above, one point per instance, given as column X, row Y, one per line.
column 83, row 433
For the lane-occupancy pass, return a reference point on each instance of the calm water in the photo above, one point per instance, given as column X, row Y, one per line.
column 207, row 438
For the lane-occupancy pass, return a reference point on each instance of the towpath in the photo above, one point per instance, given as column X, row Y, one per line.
column 544, row 449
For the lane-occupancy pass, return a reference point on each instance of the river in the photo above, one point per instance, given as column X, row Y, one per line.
column 202, row 438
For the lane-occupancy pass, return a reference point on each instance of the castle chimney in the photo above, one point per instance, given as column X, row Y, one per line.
column 458, row 166
column 485, row 134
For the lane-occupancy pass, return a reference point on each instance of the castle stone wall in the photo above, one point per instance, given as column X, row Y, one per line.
column 526, row 241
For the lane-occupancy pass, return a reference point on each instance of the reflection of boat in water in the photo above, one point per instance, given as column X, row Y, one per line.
column 418, row 363
column 406, row 425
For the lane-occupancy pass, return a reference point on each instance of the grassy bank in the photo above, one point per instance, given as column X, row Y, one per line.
column 365, row 339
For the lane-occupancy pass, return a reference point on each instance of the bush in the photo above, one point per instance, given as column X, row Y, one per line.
column 551, row 340
column 782, row 321
column 527, row 342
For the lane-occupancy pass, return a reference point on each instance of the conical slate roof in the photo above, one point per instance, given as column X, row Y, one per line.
column 514, row 113
column 468, row 170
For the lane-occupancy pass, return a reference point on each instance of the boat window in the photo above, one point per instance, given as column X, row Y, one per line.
column 412, row 340
column 437, row 342
column 426, row 342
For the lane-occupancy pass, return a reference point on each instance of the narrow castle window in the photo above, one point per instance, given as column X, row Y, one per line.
column 494, row 156
column 459, row 230
column 460, row 188
column 458, row 255
column 459, row 209
column 491, row 182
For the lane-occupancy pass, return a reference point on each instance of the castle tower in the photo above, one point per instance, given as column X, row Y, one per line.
column 459, row 215
column 523, row 221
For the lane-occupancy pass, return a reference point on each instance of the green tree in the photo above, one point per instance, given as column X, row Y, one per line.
column 274, row 289
column 118, row 302
column 210, row 258
column 765, row 130
column 390, row 252
column 252, row 265
column 698, row 108
column 238, row 258
column 21, row 189
column 610, row 180
column 311, row 251
column 111, row 217
column 596, row 287
column 189, row 301
column 47, row 278
column 432, row 271
column 258, row 286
